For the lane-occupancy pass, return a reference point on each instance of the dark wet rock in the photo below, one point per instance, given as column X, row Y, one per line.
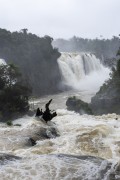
column 89, row 158
column 117, row 172
column 43, row 133
column 77, row 105
column 7, row 157
column 52, row 133
column 111, row 62
column 20, row 137
column 32, row 141
column 105, row 168
column 106, row 101
column 105, row 105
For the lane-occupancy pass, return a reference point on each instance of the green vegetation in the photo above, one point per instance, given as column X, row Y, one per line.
column 9, row 123
column 78, row 105
column 107, row 100
column 17, row 124
column 35, row 57
column 13, row 93
column 114, row 80
column 102, row 48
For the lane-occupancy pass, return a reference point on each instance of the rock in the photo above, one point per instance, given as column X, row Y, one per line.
column 7, row 157
column 90, row 158
column 106, row 101
column 78, row 105
column 52, row 132
column 32, row 141
column 44, row 133
column 104, row 168
column 110, row 62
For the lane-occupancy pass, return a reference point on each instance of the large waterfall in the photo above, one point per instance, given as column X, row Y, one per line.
column 82, row 71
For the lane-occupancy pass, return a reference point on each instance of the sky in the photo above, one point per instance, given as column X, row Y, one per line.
column 62, row 18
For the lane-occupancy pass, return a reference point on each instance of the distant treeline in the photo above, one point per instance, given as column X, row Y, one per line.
column 102, row 48
column 36, row 58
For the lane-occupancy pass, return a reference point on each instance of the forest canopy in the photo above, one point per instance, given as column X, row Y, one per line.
column 102, row 48
column 35, row 56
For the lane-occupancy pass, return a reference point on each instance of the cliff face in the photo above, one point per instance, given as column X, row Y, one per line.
column 106, row 102
column 102, row 103
column 110, row 62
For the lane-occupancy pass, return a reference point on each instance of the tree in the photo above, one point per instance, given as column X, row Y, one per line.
column 36, row 58
column 14, row 94
column 114, row 80
column 24, row 31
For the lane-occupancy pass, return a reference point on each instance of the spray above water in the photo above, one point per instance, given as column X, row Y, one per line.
column 82, row 71
column 2, row 62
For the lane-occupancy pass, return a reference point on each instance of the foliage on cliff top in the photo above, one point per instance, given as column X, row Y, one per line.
column 35, row 56
column 13, row 93
column 103, row 48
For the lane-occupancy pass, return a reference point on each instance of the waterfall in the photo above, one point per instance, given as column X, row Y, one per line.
column 82, row 71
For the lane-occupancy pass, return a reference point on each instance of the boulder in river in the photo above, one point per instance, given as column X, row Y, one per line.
column 43, row 133
column 7, row 157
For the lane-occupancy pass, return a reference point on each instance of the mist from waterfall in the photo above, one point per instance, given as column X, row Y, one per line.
column 82, row 71
column 2, row 62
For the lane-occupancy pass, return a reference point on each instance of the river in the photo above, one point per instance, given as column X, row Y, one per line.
column 86, row 147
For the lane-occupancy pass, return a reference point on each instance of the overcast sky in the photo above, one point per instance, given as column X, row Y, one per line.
column 62, row 18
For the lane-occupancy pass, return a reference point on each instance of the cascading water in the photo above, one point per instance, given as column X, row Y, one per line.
column 82, row 71
column 88, row 146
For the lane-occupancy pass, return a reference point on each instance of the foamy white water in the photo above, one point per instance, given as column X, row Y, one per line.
column 87, row 148
column 82, row 71
column 84, row 135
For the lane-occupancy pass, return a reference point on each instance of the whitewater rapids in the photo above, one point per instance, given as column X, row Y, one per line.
column 80, row 135
column 87, row 148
